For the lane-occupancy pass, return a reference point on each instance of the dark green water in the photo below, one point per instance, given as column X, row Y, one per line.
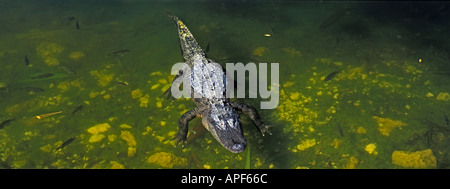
column 387, row 99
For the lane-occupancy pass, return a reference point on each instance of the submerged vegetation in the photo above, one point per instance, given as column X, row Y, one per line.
column 352, row 95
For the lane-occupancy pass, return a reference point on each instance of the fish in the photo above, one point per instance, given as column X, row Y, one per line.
column 77, row 25
column 341, row 133
column 447, row 122
column 3, row 124
column 331, row 76
column 121, row 83
column 65, row 143
column 33, row 89
column 47, row 114
column 43, row 76
column 67, row 69
column 77, row 109
column 119, row 53
column 207, row 48
column 332, row 19
column 27, row 62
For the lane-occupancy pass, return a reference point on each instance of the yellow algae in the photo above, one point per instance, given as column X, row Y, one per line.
column 370, row 148
column 128, row 138
column 99, row 128
column 131, row 151
column 136, row 93
column 51, row 61
column 166, row 160
column 46, row 49
column 336, row 143
column 47, row 148
column 408, row 107
column 418, row 159
column 259, row 51
column 325, row 60
column 143, row 101
column 156, row 73
column 443, row 97
column 294, row 96
column 155, row 86
column 116, row 165
column 103, row 79
column 96, row 138
column 294, row 111
column 288, row 84
column 159, row 104
column 361, row 130
column 76, row 55
column 125, row 126
column 165, row 87
column 306, row 144
column 162, row 81
column 65, row 85
column 131, row 142
column 112, row 138
column 292, row 51
column 93, row 94
column 148, row 130
column 385, row 125
column 352, row 163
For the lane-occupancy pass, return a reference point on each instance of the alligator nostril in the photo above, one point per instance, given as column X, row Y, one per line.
column 238, row 147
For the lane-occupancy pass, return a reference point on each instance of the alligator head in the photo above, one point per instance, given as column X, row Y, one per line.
column 225, row 126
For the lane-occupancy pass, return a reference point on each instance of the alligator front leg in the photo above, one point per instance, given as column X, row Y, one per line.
column 253, row 114
column 183, row 126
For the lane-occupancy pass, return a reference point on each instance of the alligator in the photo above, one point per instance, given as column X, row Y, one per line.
column 208, row 81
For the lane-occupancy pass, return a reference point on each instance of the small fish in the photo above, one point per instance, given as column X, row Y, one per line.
column 119, row 53
column 272, row 30
column 68, row 70
column 47, row 114
column 65, row 143
column 331, row 76
column 341, row 133
column 70, row 18
column 33, row 89
column 207, row 48
column 27, row 62
column 80, row 107
column 78, row 26
column 6, row 122
column 121, row 83
column 447, row 122
column 43, row 76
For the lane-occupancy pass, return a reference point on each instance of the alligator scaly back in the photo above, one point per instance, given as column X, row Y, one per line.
column 189, row 46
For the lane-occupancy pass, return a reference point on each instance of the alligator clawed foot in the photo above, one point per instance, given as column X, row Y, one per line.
column 265, row 129
column 180, row 138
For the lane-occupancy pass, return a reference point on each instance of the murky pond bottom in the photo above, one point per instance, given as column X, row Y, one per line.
column 82, row 84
